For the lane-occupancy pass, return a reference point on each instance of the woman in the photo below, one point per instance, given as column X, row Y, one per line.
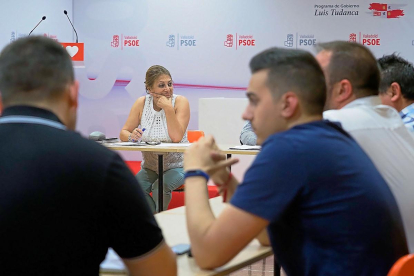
column 162, row 116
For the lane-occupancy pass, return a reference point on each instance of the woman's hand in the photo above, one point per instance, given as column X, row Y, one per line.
column 136, row 134
column 163, row 102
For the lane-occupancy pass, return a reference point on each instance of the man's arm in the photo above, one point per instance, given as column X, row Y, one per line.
column 215, row 241
column 149, row 264
column 132, row 230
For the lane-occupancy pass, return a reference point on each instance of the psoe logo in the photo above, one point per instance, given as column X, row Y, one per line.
column 124, row 41
column 371, row 40
column 131, row 41
column 239, row 41
column 13, row 36
column 307, row 40
column 246, row 40
column 289, row 41
column 16, row 34
column 115, row 41
column 187, row 41
column 365, row 39
column 171, row 41
column 302, row 40
column 353, row 37
column 229, row 41
column 54, row 37
column 386, row 11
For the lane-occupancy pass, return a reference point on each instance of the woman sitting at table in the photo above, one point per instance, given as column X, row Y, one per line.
column 162, row 116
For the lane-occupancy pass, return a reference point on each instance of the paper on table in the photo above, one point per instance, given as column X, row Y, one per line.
column 246, row 147
column 184, row 145
column 127, row 144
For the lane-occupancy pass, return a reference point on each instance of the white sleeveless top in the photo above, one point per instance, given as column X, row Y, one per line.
column 155, row 124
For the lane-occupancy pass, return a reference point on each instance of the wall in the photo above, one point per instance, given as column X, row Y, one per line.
column 19, row 17
column 113, row 77
column 215, row 67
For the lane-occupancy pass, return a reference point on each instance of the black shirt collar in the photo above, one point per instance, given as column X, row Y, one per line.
column 25, row 110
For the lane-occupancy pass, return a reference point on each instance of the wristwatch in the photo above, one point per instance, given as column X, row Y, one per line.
column 191, row 173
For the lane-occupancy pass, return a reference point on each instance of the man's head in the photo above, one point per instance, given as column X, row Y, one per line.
column 287, row 87
column 351, row 72
column 397, row 81
column 37, row 71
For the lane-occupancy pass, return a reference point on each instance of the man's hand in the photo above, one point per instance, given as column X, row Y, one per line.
column 204, row 155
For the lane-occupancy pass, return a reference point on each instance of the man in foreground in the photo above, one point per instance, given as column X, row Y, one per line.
column 326, row 208
column 353, row 79
column 397, row 87
column 63, row 199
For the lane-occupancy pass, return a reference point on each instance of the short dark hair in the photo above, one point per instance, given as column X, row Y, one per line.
column 396, row 69
column 34, row 68
column 354, row 62
column 296, row 71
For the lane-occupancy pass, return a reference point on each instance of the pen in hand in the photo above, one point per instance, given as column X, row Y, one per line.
column 133, row 140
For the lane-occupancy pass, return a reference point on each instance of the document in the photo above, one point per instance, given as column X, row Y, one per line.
column 127, row 144
column 246, row 147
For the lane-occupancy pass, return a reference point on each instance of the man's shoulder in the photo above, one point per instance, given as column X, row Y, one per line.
column 70, row 143
column 365, row 117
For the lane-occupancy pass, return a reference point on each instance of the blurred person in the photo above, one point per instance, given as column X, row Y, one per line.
column 165, row 117
column 64, row 200
column 353, row 79
column 326, row 208
column 247, row 135
column 397, row 87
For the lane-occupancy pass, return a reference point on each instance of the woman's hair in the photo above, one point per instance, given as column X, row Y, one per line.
column 153, row 73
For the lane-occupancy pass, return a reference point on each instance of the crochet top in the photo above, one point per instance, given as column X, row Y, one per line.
column 155, row 124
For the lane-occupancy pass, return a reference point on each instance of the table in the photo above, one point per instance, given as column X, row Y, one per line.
column 173, row 225
column 172, row 147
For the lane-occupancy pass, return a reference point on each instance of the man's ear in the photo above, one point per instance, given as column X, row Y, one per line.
column 73, row 94
column 344, row 91
column 290, row 102
column 395, row 90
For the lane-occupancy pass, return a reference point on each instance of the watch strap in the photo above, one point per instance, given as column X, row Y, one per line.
column 192, row 173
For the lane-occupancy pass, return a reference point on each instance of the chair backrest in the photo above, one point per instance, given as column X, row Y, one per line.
column 194, row 135
column 403, row 267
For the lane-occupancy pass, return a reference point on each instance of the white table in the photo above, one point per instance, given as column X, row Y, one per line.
column 173, row 225
column 172, row 147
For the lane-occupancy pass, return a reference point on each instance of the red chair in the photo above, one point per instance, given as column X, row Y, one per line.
column 178, row 194
column 403, row 267
column 194, row 135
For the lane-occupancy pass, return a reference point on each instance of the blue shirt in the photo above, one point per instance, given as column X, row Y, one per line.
column 407, row 115
column 329, row 210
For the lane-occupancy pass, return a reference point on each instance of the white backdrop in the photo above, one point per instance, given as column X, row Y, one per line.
column 19, row 17
column 206, row 45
